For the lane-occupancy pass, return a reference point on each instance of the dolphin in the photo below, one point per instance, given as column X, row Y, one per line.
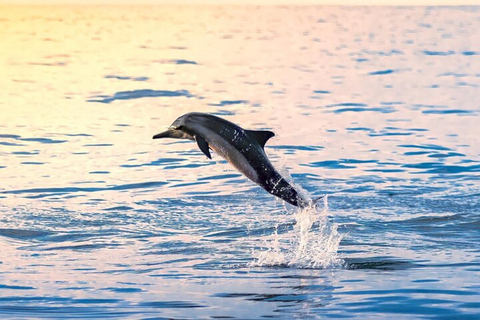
column 244, row 149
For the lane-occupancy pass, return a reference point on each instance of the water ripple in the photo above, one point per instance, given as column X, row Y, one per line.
column 159, row 162
column 425, row 146
column 383, row 72
column 137, row 94
column 176, row 61
column 50, row 191
column 24, row 234
column 360, row 107
column 171, row 304
column 110, row 76
column 228, row 103
column 448, row 111
column 438, row 53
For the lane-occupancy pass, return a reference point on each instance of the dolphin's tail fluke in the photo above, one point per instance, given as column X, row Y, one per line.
column 315, row 201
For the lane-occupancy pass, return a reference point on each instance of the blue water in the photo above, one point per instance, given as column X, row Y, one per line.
column 377, row 108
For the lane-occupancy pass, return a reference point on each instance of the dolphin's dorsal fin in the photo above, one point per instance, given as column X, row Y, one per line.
column 203, row 145
column 261, row 136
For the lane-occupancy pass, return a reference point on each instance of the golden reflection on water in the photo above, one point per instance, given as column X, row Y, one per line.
column 54, row 59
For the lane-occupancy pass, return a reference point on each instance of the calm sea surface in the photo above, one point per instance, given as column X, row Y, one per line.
column 378, row 108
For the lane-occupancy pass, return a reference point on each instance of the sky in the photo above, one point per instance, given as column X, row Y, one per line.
column 265, row 2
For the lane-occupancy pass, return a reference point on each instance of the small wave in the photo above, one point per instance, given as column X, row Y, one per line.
column 389, row 134
column 392, row 131
column 467, row 84
column 23, row 234
column 295, row 147
column 50, row 64
column 313, row 243
column 223, row 113
column 450, row 111
column 360, row 107
column 228, row 103
column 189, row 165
column 450, row 52
column 111, row 76
column 416, row 153
column 9, row 136
column 50, row 191
column 382, row 72
column 98, row 145
column 446, row 155
column 453, row 74
column 4, row 286
column 425, row 146
column 42, row 140
column 347, row 104
column 123, row 290
column 453, row 169
column 183, row 61
column 220, row 177
column 438, row 53
column 10, row 144
column 159, row 162
column 188, row 184
column 19, row 138
column 171, row 304
column 373, row 109
column 78, row 135
column 137, row 94
column 82, row 247
column 176, row 61
column 119, row 208
column 322, row 91
column 331, row 164
column 360, row 129
column 26, row 153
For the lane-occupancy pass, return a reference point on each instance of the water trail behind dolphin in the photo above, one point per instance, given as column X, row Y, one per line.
column 313, row 242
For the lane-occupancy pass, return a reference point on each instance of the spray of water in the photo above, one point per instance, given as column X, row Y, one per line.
column 313, row 242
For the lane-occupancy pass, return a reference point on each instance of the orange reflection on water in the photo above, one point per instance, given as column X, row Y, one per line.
column 287, row 67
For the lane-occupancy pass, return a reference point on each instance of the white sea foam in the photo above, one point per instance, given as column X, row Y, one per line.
column 313, row 242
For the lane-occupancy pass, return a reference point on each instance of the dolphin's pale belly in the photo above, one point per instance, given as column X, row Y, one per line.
column 236, row 159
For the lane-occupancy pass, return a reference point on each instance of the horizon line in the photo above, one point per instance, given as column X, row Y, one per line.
column 351, row 3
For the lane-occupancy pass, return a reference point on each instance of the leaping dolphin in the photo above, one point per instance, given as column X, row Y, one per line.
column 241, row 148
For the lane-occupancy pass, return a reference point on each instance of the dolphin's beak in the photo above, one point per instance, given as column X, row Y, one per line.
column 173, row 133
column 170, row 133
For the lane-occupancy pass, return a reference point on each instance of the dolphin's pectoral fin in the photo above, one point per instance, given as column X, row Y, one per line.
column 203, row 145
column 260, row 136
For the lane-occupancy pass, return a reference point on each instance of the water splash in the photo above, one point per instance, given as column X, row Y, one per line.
column 312, row 243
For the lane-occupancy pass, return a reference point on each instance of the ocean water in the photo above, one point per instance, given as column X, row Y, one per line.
column 377, row 108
